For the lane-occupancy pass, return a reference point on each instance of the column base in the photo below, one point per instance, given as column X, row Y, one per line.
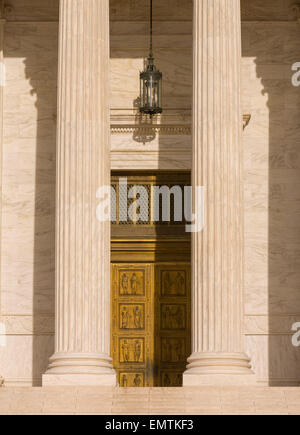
column 218, row 369
column 80, row 370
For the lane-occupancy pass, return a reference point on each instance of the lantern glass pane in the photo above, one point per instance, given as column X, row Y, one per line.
column 144, row 93
column 158, row 93
column 150, row 91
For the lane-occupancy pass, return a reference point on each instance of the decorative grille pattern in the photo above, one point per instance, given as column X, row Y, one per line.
column 148, row 201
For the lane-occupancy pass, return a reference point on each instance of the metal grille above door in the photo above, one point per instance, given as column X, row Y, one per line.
column 147, row 220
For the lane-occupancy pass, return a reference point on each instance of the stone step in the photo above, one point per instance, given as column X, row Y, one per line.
column 178, row 401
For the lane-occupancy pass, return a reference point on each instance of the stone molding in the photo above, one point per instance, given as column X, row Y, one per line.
column 171, row 129
column 148, row 129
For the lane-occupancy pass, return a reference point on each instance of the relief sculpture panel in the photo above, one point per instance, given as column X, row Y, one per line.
column 135, row 380
column 173, row 316
column 131, row 283
column 150, row 323
column 132, row 316
column 171, row 379
column 173, row 283
column 173, row 349
column 132, row 350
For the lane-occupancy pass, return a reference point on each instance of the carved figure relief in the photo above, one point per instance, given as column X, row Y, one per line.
column 167, row 380
column 124, row 381
column 132, row 350
column 128, row 380
column 173, row 349
column 125, row 317
column 132, row 316
column 173, row 283
column 137, row 381
column 131, row 283
column 137, row 315
column 170, row 379
column 173, row 316
column 125, row 283
column 125, row 351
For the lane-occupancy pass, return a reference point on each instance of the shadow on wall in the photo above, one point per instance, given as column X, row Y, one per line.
column 273, row 183
column 41, row 71
column 35, row 106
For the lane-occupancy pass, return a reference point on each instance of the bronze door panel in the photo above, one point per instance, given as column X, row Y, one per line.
column 150, row 323
column 132, row 324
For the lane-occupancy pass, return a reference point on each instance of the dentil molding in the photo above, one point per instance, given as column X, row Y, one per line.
column 164, row 129
column 148, row 129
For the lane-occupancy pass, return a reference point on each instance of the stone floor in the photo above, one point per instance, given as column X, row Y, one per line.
column 110, row 401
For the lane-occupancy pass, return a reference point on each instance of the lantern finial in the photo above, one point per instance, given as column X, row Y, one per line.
column 151, row 81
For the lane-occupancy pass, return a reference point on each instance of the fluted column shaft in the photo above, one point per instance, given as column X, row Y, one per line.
column 2, row 84
column 217, row 276
column 82, row 338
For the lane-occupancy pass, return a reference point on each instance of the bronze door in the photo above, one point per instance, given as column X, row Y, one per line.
column 132, row 324
column 150, row 323
column 172, row 323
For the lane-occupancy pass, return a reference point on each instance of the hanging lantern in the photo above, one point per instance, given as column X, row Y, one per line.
column 151, row 82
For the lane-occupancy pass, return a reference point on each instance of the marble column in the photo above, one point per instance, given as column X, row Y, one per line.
column 2, row 84
column 82, row 336
column 217, row 267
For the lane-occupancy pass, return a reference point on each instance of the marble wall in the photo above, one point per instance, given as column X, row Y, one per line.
column 28, row 198
column 272, row 177
column 272, row 165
